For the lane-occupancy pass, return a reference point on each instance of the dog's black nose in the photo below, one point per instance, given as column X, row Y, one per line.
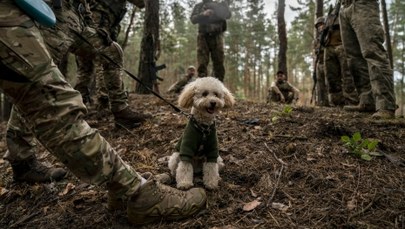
column 213, row 104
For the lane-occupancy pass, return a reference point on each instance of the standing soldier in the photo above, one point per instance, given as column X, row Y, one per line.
column 211, row 19
column 106, row 17
column 363, row 38
column 342, row 90
column 54, row 112
column 321, row 86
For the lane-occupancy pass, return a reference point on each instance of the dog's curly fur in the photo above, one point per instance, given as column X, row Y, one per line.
column 206, row 96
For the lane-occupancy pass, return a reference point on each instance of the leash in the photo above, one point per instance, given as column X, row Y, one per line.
column 130, row 74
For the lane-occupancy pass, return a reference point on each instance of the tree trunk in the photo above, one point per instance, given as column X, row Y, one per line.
column 282, row 36
column 387, row 31
column 129, row 28
column 149, row 48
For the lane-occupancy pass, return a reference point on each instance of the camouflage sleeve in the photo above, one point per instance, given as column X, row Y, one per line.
column 275, row 88
column 178, row 86
column 196, row 16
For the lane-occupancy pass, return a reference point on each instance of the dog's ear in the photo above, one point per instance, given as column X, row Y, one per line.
column 228, row 98
column 186, row 96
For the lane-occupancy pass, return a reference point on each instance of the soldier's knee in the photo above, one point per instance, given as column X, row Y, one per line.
column 114, row 51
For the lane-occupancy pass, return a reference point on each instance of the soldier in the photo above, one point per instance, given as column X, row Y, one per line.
column 281, row 91
column 179, row 85
column 106, row 17
column 54, row 111
column 321, row 83
column 363, row 38
column 211, row 19
column 68, row 35
column 342, row 90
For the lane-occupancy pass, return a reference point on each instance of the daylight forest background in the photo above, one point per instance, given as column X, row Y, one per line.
column 252, row 45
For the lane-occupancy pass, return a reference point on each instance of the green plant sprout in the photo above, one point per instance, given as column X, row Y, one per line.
column 287, row 110
column 362, row 148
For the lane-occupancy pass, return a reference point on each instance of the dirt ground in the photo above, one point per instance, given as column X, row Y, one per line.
column 284, row 169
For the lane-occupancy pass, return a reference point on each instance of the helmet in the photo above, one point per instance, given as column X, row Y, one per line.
column 319, row 20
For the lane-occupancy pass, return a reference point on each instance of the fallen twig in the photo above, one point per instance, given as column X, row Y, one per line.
column 278, row 178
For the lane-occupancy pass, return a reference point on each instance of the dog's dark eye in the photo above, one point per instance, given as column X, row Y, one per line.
column 216, row 94
column 205, row 93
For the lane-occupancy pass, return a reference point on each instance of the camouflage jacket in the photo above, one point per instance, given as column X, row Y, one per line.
column 214, row 24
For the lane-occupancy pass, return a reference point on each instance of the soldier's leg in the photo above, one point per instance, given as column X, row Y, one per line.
column 112, row 70
column 217, row 54
column 321, row 86
column 85, row 76
column 332, row 73
column 54, row 111
column 274, row 97
column 22, row 147
column 203, row 55
column 348, row 86
column 370, row 34
column 356, row 63
column 101, row 92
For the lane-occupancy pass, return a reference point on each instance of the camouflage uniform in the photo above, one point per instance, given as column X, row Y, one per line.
column 106, row 16
column 321, row 82
column 342, row 90
column 52, row 109
column 59, row 40
column 210, row 40
column 179, row 85
column 289, row 92
column 363, row 38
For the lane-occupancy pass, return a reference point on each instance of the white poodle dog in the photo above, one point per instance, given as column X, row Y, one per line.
column 198, row 146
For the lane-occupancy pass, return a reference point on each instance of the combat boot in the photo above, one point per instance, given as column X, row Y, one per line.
column 384, row 114
column 114, row 202
column 129, row 119
column 31, row 170
column 154, row 202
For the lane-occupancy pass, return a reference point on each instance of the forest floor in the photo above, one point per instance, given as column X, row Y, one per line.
column 283, row 169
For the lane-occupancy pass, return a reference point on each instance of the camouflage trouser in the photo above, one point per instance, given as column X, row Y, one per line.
column 363, row 38
column 49, row 107
column 321, row 85
column 68, row 36
column 107, row 87
column 342, row 90
column 275, row 97
column 98, row 82
column 210, row 45
column 65, row 36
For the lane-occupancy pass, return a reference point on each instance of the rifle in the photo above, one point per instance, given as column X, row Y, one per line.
column 333, row 14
